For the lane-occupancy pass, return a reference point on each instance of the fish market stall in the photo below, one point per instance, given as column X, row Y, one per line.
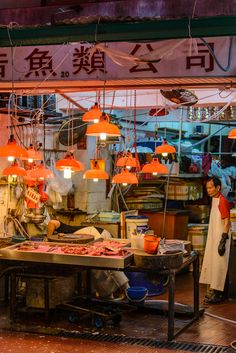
column 48, row 260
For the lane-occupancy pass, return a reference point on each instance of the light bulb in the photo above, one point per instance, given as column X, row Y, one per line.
column 11, row 158
column 128, row 167
column 164, row 154
column 41, row 178
column 67, row 173
column 30, row 160
column 14, row 176
column 95, row 180
column 103, row 136
column 124, row 184
column 154, row 173
column 96, row 121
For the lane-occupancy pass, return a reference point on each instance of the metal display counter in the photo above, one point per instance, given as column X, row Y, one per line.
column 19, row 267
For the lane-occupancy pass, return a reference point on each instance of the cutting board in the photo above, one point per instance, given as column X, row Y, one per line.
column 71, row 238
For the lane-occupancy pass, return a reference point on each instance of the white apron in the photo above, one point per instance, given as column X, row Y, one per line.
column 214, row 267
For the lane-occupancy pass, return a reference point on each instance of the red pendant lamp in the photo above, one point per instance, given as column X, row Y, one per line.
column 93, row 115
column 69, row 165
column 165, row 149
column 95, row 173
column 40, row 172
column 127, row 161
column 125, row 178
column 155, row 167
column 33, row 155
column 103, row 128
column 14, row 170
column 232, row 134
column 12, row 150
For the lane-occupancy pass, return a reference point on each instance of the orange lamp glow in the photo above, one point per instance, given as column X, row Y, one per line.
column 125, row 178
column 103, row 128
column 69, row 165
column 95, row 173
column 93, row 115
column 40, row 172
column 165, row 149
column 127, row 161
column 155, row 167
column 33, row 155
column 14, row 170
column 12, row 150
column 232, row 134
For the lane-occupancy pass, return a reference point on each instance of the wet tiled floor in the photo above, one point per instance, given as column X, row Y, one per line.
column 208, row 329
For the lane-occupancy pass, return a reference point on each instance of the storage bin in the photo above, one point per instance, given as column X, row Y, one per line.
column 197, row 236
column 176, row 223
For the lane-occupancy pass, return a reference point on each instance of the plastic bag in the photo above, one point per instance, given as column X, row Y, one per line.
column 59, row 184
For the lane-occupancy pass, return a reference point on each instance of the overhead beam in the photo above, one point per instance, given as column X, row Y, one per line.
column 119, row 31
column 71, row 100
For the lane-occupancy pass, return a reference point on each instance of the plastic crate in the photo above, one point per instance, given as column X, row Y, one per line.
column 141, row 279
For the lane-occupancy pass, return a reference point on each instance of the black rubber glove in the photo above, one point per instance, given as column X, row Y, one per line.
column 222, row 243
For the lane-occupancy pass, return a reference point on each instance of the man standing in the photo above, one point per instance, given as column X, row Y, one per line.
column 216, row 256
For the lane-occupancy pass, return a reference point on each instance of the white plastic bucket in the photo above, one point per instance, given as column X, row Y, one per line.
column 137, row 241
column 136, row 225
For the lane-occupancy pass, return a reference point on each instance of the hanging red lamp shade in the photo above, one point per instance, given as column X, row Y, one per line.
column 155, row 167
column 232, row 134
column 40, row 172
column 93, row 115
column 14, row 170
column 103, row 128
column 95, row 173
column 165, row 148
column 33, row 155
column 12, row 150
column 127, row 161
column 69, row 165
column 125, row 178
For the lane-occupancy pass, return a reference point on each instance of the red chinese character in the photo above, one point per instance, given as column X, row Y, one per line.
column 150, row 66
column 201, row 60
column 88, row 62
column 2, row 64
column 39, row 61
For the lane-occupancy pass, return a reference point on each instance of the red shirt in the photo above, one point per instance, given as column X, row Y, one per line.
column 224, row 207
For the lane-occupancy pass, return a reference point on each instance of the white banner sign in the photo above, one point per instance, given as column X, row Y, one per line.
column 113, row 61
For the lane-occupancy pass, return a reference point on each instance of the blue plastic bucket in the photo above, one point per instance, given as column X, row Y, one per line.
column 136, row 295
column 141, row 279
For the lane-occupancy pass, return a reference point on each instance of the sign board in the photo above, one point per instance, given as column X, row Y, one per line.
column 116, row 61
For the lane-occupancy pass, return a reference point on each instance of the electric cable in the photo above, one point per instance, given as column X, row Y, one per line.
column 225, row 69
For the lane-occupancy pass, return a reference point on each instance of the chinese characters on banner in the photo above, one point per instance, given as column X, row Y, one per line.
column 85, row 62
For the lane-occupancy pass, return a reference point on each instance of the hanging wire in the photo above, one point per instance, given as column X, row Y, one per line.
column 135, row 133
column 225, row 69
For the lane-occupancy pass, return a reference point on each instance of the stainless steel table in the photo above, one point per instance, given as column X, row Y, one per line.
column 18, row 268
